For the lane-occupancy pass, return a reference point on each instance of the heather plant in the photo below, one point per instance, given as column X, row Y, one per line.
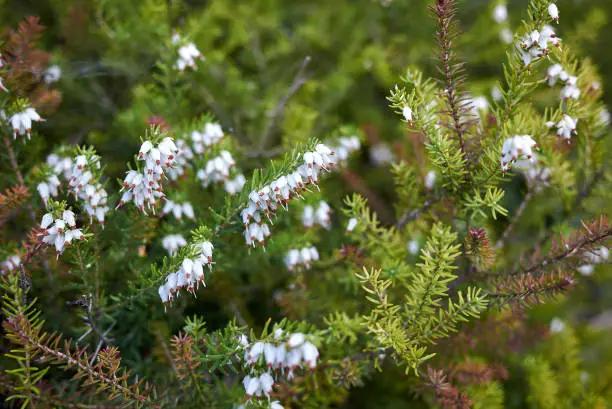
column 233, row 235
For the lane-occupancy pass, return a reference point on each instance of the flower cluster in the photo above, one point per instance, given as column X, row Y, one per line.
column 202, row 141
column 273, row 405
column 257, row 233
column 346, row 146
column 570, row 89
column 10, row 264
column 146, row 187
column 535, row 44
column 60, row 232
column 278, row 193
column 281, row 358
column 189, row 275
column 178, row 210
column 188, row 55
column 566, row 127
column 299, row 259
column 516, row 147
column 49, row 188
column 22, row 122
column 592, row 258
column 173, row 242
column 218, row 170
column 59, row 167
column 321, row 216
column 536, row 175
column 87, row 188
column 183, row 156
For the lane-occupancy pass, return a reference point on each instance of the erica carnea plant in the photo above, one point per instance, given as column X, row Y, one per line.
column 238, row 255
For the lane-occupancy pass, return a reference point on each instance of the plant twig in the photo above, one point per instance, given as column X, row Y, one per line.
column 409, row 216
column 273, row 116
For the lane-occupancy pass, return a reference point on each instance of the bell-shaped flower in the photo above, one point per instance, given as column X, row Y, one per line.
column 352, row 223
column 500, row 13
column 567, row 127
column 296, row 340
column 553, row 11
column 516, row 147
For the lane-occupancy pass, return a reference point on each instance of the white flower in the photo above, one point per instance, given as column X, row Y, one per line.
column 604, row 117
column 2, row 86
column 553, row 11
column 178, row 210
column 269, row 354
column 352, row 223
column 535, row 44
column 380, row 154
column 218, row 170
column 255, row 352
column 280, row 356
column 266, row 383
column 506, row 35
column 413, row 247
column 300, row 258
column 233, row 186
column 586, row 270
column 430, row 180
column 293, row 359
column 346, row 146
column 243, row 340
column 47, row 220
column 164, row 294
column 500, row 13
column 570, row 90
column 292, row 259
column 251, row 386
column 322, row 215
column 52, row 74
column 556, row 325
column 43, row 190
column 276, row 405
column 55, row 232
column 516, row 147
column 308, row 216
column 11, row 263
column 567, row 127
column 536, row 175
column 22, row 122
column 597, row 255
column 310, row 354
column 145, row 188
column 480, row 103
column 496, row 94
column 296, row 340
column 188, row 54
column 555, row 71
column 407, row 112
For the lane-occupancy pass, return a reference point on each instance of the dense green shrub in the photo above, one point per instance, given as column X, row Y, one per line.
column 450, row 252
